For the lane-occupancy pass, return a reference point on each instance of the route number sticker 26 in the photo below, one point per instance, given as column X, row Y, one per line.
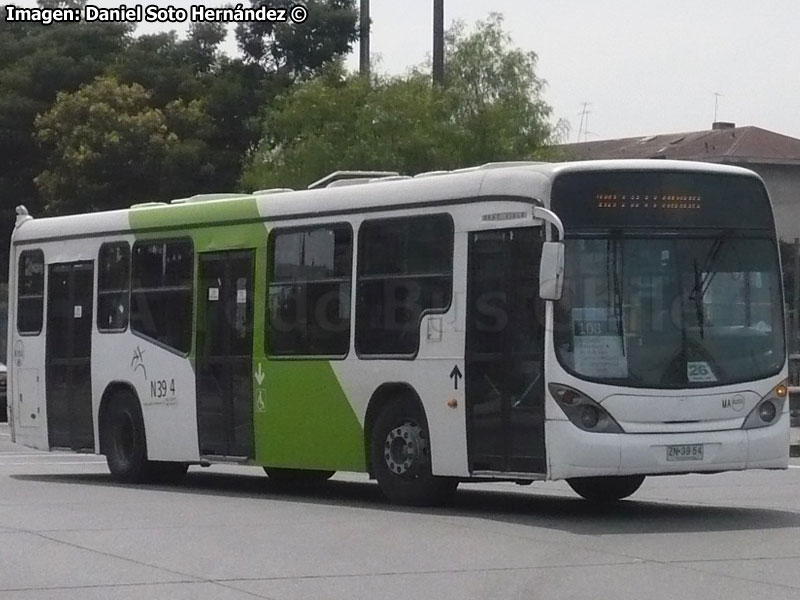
column 699, row 372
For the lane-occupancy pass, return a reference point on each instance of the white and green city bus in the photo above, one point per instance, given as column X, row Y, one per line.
column 597, row 322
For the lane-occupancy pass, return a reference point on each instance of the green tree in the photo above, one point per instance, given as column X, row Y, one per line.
column 496, row 94
column 38, row 62
column 292, row 50
column 109, row 148
column 491, row 110
column 232, row 93
column 170, row 67
column 350, row 123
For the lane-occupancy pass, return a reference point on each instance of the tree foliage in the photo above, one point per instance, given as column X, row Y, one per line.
column 337, row 122
column 232, row 93
column 37, row 63
column 490, row 110
column 211, row 102
column 295, row 50
column 110, row 148
column 496, row 94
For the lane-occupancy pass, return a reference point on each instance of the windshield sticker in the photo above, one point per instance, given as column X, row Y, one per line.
column 599, row 343
column 699, row 372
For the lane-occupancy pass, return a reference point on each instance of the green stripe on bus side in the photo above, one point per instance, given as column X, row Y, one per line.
column 303, row 418
column 308, row 421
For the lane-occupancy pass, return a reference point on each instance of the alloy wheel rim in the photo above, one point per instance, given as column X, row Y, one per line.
column 405, row 449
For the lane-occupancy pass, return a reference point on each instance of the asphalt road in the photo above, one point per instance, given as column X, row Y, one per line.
column 68, row 532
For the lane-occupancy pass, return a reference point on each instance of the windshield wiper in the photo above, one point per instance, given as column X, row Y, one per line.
column 702, row 283
column 613, row 258
column 697, row 296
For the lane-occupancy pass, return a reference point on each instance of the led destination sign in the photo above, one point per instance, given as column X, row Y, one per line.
column 660, row 199
column 648, row 202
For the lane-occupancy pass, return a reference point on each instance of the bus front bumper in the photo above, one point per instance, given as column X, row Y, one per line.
column 576, row 453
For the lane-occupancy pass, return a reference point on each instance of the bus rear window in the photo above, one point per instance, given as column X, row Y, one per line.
column 30, row 292
column 113, row 287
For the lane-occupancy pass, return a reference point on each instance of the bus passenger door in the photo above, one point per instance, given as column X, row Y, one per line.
column 505, row 352
column 225, row 354
column 68, row 362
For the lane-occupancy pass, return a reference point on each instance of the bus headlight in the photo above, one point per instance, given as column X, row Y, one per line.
column 590, row 417
column 582, row 411
column 768, row 409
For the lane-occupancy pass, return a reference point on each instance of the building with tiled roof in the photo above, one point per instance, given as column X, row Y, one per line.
column 774, row 156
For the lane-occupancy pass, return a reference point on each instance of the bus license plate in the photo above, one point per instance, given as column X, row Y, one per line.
column 685, row 452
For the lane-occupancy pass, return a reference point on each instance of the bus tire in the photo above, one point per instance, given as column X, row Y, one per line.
column 283, row 475
column 606, row 489
column 124, row 439
column 401, row 458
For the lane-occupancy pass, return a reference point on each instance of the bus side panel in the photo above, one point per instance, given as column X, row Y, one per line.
column 168, row 394
column 26, row 375
column 429, row 378
column 430, row 374
column 165, row 385
column 305, row 420
column 310, row 414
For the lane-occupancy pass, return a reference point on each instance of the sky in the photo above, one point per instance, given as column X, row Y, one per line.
column 640, row 67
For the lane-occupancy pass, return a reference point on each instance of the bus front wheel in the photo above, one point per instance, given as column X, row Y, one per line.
column 606, row 489
column 401, row 459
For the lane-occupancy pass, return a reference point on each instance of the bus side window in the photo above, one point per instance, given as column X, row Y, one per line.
column 308, row 309
column 113, row 287
column 162, row 275
column 405, row 268
column 30, row 292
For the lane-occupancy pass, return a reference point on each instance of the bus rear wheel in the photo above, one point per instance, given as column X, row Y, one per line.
column 606, row 489
column 401, row 459
column 123, row 439
column 125, row 445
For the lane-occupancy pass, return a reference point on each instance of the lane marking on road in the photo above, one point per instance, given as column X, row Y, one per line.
column 67, row 454
column 46, row 454
column 39, row 464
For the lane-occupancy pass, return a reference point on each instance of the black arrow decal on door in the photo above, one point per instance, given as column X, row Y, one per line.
column 455, row 375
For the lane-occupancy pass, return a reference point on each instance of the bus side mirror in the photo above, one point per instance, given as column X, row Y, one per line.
column 551, row 271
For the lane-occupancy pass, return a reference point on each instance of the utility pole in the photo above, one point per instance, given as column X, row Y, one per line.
column 796, row 299
column 438, row 42
column 584, row 124
column 364, row 39
column 717, row 96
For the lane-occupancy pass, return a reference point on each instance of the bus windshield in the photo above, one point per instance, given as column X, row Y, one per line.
column 661, row 311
